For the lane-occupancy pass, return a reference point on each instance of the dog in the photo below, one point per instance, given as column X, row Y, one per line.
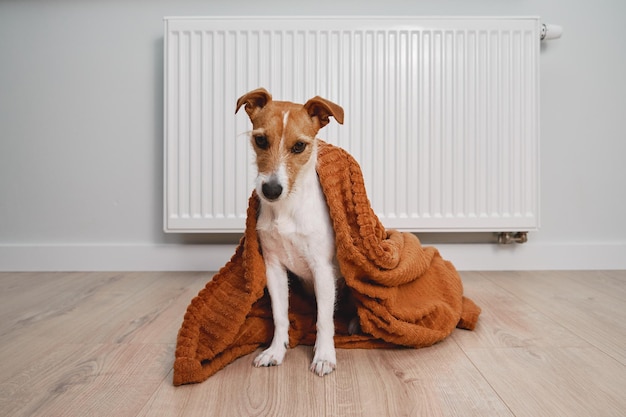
column 293, row 224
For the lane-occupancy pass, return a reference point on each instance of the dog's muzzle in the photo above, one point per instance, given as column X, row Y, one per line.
column 272, row 189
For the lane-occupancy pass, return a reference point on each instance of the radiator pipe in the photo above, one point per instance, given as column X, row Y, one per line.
column 505, row 238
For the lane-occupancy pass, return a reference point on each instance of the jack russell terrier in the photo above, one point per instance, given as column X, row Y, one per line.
column 294, row 227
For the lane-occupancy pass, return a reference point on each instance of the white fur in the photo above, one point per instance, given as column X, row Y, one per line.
column 296, row 234
column 281, row 174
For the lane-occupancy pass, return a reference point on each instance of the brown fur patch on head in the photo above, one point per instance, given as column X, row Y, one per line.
column 283, row 133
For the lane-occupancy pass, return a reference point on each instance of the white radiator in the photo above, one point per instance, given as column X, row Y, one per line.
column 441, row 113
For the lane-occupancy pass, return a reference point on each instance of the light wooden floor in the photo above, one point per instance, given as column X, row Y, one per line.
column 102, row 344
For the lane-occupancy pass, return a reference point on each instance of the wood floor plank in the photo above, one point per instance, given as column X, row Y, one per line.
column 436, row 381
column 242, row 390
column 611, row 283
column 48, row 309
column 35, row 384
column 49, row 295
column 164, row 326
column 578, row 306
column 544, row 381
column 112, row 310
column 162, row 300
column 93, row 380
column 509, row 321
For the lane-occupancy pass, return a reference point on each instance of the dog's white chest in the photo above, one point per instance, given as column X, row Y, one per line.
column 283, row 241
column 298, row 236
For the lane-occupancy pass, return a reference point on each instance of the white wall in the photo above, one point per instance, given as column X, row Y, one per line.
column 81, row 133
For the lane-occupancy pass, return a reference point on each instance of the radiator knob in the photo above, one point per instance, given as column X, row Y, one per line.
column 550, row 32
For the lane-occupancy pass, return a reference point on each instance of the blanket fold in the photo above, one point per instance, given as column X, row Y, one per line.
column 404, row 294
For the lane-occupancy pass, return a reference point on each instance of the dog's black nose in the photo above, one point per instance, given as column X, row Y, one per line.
column 272, row 190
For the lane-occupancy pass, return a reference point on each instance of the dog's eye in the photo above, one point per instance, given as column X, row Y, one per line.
column 298, row 147
column 261, row 141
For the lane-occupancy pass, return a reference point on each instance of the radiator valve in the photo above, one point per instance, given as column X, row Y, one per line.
column 505, row 238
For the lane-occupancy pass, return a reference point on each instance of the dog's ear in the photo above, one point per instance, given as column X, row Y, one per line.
column 322, row 109
column 254, row 101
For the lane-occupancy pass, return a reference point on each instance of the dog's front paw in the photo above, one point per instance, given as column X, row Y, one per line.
column 273, row 356
column 324, row 361
column 321, row 368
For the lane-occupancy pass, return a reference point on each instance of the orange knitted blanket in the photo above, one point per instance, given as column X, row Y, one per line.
column 404, row 294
